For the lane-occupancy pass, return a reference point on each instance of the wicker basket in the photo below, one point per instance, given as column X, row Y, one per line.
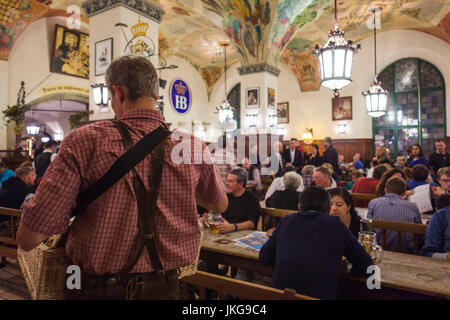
column 44, row 269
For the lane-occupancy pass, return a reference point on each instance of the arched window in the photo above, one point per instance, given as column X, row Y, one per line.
column 234, row 98
column 416, row 107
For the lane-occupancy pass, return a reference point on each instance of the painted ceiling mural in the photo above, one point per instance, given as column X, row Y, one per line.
column 271, row 31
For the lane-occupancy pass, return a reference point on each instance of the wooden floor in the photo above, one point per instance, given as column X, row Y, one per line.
column 12, row 284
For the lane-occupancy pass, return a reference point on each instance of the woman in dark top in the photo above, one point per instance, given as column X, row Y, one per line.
column 286, row 199
column 342, row 206
column 314, row 157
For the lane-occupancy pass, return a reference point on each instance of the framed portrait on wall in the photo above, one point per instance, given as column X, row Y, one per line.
column 252, row 98
column 341, row 108
column 103, row 55
column 283, row 112
column 70, row 53
column 271, row 98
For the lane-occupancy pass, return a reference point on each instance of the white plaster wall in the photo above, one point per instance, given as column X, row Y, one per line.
column 201, row 109
column 313, row 109
column 29, row 61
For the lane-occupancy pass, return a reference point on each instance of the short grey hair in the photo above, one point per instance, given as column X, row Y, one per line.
column 328, row 139
column 240, row 173
column 292, row 180
column 308, row 170
column 135, row 73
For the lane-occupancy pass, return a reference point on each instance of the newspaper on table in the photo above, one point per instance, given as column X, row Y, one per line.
column 422, row 198
column 254, row 240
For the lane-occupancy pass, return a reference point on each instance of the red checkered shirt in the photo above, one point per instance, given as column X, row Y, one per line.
column 103, row 238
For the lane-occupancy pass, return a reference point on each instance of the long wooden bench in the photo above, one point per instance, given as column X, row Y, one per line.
column 417, row 229
column 362, row 200
column 8, row 241
column 270, row 216
column 236, row 288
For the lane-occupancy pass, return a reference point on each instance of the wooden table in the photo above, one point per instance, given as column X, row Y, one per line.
column 403, row 276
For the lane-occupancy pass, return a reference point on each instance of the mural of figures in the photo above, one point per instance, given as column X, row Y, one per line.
column 71, row 52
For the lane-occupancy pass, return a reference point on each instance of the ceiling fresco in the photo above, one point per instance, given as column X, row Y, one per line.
column 271, row 31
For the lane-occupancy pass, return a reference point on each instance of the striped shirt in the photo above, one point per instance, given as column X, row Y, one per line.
column 392, row 207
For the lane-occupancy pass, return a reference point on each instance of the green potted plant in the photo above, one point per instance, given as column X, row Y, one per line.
column 79, row 117
column 16, row 113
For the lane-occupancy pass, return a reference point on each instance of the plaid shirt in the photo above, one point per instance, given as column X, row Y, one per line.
column 103, row 238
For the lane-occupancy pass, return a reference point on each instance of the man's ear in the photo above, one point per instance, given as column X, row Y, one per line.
column 299, row 208
column 120, row 92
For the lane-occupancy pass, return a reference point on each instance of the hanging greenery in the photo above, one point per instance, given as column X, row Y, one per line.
column 15, row 113
column 79, row 117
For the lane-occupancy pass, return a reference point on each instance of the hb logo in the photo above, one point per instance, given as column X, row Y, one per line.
column 180, row 96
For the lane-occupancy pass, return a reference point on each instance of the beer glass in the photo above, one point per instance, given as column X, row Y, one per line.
column 368, row 240
column 213, row 219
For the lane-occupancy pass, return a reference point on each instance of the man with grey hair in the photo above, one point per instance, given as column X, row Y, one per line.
column 243, row 207
column 307, row 175
column 286, row 199
column 128, row 242
column 331, row 156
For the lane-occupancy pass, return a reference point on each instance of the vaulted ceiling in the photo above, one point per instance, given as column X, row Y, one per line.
column 269, row 31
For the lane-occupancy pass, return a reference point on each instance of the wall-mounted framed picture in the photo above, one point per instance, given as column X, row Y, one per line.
column 70, row 52
column 283, row 112
column 252, row 98
column 271, row 98
column 103, row 55
column 341, row 108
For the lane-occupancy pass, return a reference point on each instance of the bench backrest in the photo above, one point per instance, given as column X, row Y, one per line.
column 416, row 228
column 237, row 288
column 271, row 215
column 8, row 232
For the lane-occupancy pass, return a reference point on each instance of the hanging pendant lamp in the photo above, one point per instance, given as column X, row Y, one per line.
column 335, row 58
column 376, row 96
column 225, row 110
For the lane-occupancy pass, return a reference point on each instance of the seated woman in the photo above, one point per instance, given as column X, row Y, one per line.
column 314, row 157
column 342, row 206
column 286, row 199
column 355, row 175
column 417, row 156
column 420, row 175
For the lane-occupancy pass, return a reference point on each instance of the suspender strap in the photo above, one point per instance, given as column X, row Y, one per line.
column 124, row 164
column 146, row 202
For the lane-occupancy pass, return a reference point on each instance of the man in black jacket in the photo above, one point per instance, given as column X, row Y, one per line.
column 42, row 161
column 15, row 189
column 293, row 155
column 331, row 156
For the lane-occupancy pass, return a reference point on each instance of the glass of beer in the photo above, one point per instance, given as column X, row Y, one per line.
column 368, row 240
column 213, row 219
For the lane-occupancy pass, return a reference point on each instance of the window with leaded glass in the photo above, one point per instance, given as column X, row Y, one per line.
column 415, row 111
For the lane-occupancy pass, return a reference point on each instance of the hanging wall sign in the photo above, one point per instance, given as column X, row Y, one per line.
column 180, row 96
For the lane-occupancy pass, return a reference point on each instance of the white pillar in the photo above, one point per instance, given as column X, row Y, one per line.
column 142, row 21
column 262, row 77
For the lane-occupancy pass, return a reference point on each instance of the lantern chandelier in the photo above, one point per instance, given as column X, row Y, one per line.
column 376, row 96
column 225, row 110
column 335, row 58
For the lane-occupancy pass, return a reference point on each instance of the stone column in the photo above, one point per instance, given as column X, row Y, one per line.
column 263, row 77
column 140, row 21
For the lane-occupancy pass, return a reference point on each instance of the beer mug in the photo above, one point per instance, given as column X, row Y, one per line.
column 213, row 219
column 369, row 241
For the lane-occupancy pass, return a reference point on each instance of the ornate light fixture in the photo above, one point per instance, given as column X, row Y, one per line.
column 342, row 128
column 376, row 96
column 307, row 136
column 225, row 110
column 273, row 120
column 100, row 92
column 33, row 127
column 252, row 120
column 335, row 58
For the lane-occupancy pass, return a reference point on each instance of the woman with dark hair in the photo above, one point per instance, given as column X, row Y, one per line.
column 417, row 156
column 342, row 206
column 314, row 157
column 385, row 177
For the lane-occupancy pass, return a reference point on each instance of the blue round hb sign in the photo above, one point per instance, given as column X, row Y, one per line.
column 180, row 96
